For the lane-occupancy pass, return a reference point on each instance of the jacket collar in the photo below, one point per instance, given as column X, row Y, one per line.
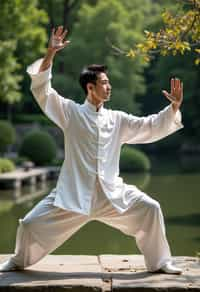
column 92, row 108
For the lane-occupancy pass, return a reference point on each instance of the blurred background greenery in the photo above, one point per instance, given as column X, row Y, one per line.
column 93, row 27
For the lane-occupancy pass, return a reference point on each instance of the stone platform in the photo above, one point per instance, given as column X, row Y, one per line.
column 57, row 273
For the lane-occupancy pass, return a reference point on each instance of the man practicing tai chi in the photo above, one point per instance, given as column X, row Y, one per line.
column 89, row 186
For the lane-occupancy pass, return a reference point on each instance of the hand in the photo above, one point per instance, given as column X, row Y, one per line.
column 176, row 94
column 56, row 42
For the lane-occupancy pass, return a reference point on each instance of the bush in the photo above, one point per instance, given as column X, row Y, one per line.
column 6, row 165
column 31, row 119
column 134, row 160
column 39, row 147
column 7, row 135
column 19, row 160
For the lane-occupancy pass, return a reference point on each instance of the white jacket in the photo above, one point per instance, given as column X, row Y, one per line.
column 93, row 142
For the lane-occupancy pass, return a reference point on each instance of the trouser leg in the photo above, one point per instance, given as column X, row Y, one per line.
column 143, row 220
column 42, row 230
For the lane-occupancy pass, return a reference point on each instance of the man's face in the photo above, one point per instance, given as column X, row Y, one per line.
column 101, row 91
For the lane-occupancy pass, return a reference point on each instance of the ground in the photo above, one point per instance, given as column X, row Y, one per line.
column 100, row 273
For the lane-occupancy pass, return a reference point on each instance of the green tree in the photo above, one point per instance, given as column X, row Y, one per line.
column 158, row 77
column 61, row 12
column 98, row 28
column 180, row 33
column 162, row 68
column 22, row 38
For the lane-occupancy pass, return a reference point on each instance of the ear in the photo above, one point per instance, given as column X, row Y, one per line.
column 90, row 86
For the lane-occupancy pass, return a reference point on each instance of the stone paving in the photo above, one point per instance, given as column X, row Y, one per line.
column 100, row 273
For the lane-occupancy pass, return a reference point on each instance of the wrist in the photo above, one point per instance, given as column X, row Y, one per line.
column 48, row 60
column 50, row 53
column 175, row 106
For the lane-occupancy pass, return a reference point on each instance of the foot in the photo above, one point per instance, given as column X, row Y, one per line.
column 169, row 268
column 9, row 266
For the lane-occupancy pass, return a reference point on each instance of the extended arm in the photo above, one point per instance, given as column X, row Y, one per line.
column 56, row 107
column 136, row 130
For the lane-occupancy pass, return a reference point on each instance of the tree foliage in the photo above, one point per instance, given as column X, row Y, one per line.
column 22, row 38
column 7, row 135
column 99, row 26
column 181, row 33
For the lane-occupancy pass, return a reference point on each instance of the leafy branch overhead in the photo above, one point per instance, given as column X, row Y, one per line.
column 181, row 33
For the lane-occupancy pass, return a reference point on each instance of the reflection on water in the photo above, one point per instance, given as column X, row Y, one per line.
column 178, row 195
column 10, row 197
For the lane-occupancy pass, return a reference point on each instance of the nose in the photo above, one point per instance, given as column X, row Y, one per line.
column 109, row 86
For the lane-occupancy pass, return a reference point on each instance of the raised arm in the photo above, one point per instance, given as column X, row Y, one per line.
column 56, row 107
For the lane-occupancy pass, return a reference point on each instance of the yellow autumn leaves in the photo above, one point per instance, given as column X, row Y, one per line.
column 181, row 33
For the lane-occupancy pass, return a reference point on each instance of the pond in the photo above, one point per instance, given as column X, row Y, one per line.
column 178, row 194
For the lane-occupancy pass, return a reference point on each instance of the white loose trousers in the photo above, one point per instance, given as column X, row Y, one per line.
column 46, row 227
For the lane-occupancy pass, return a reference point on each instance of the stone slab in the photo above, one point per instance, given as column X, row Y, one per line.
column 122, row 263
column 103, row 273
column 128, row 273
column 56, row 273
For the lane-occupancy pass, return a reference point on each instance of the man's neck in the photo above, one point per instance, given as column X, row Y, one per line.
column 97, row 104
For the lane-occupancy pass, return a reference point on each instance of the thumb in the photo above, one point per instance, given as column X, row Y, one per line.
column 165, row 93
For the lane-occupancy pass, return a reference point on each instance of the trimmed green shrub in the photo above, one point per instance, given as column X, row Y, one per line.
column 39, row 146
column 134, row 160
column 19, row 160
column 6, row 165
column 32, row 118
column 7, row 135
column 57, row 162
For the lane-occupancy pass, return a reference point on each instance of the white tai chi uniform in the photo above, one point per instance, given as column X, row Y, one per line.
column 89, row 186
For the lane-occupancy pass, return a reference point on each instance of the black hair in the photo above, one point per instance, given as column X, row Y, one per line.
column 90, row 74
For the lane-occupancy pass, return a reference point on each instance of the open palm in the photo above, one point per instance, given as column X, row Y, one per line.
column 176, row 94
column 57, row 41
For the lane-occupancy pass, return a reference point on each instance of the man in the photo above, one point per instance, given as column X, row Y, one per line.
column 89, row 186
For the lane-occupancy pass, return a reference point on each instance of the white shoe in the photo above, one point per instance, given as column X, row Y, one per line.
column 9, row 266
column 169, row 268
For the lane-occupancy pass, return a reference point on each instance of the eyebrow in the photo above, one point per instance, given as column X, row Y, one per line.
column 103, row 79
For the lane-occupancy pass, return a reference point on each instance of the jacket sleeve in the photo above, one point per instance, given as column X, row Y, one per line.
column 139, row 130
column 56, row 107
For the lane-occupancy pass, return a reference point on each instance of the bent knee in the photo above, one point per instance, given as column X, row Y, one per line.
column 154, row 206
column 26, row 222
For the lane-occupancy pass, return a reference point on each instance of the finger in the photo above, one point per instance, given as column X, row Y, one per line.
column 165, row 93
column 169, row 96
column 59, row 30
column 177, row 84
column 64, row 34
column 62, row 46
column 172, row 84
column 53, row 31
column 181, row 90
column 66, row 43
